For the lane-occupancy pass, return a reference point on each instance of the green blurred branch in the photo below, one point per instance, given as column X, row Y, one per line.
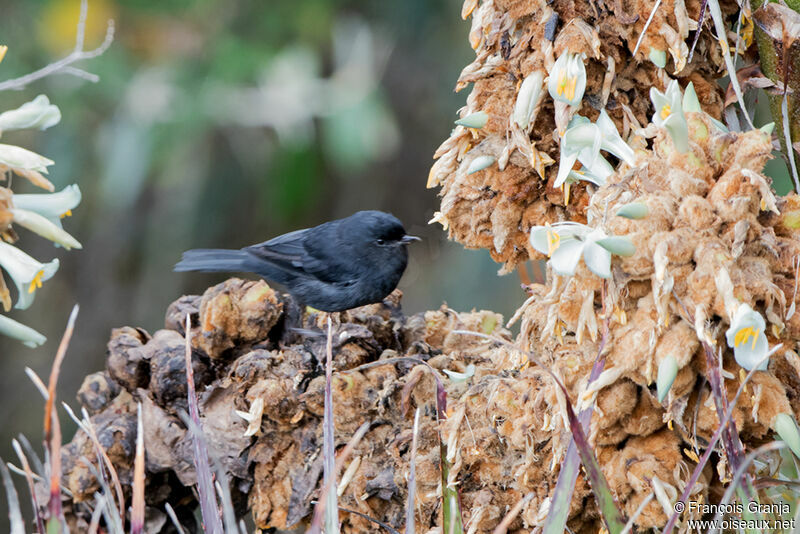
column 64, row 65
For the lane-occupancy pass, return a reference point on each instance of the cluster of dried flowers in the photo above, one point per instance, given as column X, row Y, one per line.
column 675, row 259
column 709, row 264
column 537, row 65
column 261, row 387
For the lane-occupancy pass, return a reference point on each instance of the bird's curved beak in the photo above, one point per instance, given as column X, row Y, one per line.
column 406, row 239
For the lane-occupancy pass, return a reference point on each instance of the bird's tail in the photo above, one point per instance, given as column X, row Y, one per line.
column 213, row 260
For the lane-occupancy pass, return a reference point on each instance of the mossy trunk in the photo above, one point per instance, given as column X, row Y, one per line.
column 777, row 34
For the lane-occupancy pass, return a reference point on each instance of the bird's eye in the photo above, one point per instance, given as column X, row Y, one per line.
column 380, row 241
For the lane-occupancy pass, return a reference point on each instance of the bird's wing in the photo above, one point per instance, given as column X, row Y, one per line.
column 285, row 251
column 329, row 255
column 315, row 252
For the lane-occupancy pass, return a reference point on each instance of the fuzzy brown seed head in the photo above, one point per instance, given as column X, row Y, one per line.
column 512, row 40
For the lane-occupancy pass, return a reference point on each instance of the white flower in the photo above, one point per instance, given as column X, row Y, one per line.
column 633, row 210
column 15, row 157
column 42, row 213
column 667, row 371
column 457, row 377
column 44, row 227
column 474, row 120
column 567, row 80
column 585, row 175
column 53, row 206
column 786, row 427
column 612, row 142
column 530, row 93
column 38, row 113
column 669, row 114
column 29, row 337
column 479, row 163
column 746, row 337
column 690, row 101
column 253, row 417
column 658, row 57
column 26, row 272
column 583, row 142
column 692, row 104
column 566, row 242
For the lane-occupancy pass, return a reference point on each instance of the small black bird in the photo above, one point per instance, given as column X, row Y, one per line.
column 335, row 266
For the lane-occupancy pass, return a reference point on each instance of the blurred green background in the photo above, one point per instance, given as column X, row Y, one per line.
column 220, row 124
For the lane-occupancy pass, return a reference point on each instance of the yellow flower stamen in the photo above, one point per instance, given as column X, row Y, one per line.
column 562, row 82
column 573, row 82
column 691, row 454
column 566, row 186
column 744, row 334
column 755, row 338
column 3, row 50
column 560, row 331
column 36, row 282
column 746, row 30
column 666, row 109
column 553, row 239
column 67, row 213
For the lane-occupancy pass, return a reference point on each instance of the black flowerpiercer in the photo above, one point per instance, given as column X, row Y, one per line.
column 335, row 266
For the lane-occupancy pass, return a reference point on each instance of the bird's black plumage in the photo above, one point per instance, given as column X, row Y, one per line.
column 335, row 266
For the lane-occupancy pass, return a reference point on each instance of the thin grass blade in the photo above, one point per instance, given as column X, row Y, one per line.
column 556, row 521
column 412, row 477
column 137, row 509
column 56, row 369
column 319, row 506
column 31, row 487
column 205, row 484
column 614, row 520
column 14, row 513
column 52, row 430
column 174, row 518
column 700, row 21
column 38, row 466
column 329, row 450
column 224, row 494
column 97, row 513
column 512, row 514
column 111, row 514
